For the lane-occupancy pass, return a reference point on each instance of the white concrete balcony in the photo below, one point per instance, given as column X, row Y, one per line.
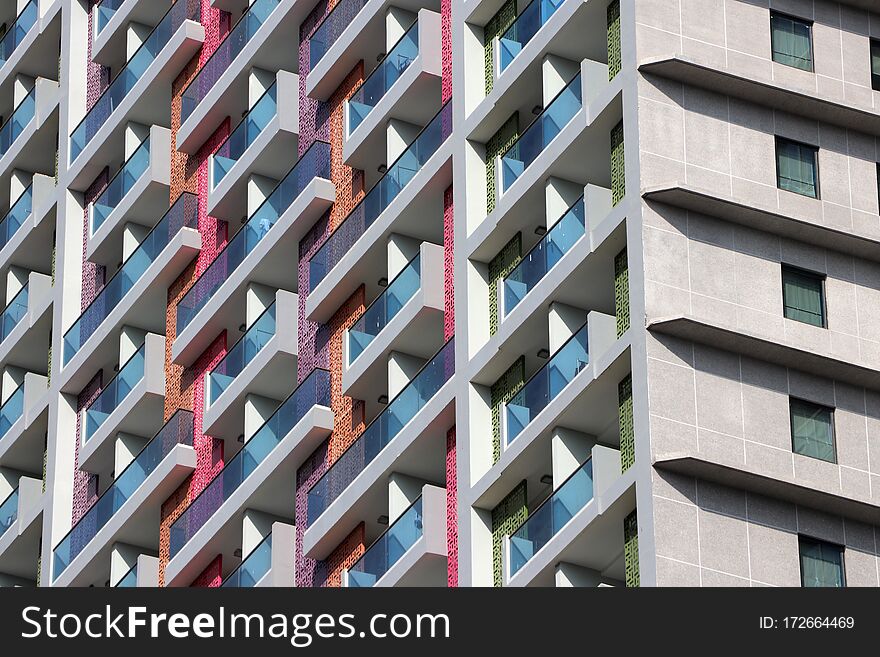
column 136, row 295
column 260, row 478
column 27, row 227
column 25, row 325
column 260, row 39
column 20, row 530
column 129, row 510
column 139, row 93
column 412, row 552
column 137, row 193
column 263, row 144
column 24, row 421
column 404, row 86
column 270, row 563
column 406, row 317
column 110, row 20
column 30, row 44
column 259, row 363
column 131, row 402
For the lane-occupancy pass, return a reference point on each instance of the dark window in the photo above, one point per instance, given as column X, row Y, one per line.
column 821, row 563
column 803, row 296
column 797, row 167
column 812, row 430
column 791, row 39
column 875, row 65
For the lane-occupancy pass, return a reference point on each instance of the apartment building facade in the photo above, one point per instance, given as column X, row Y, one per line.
column 451, row 293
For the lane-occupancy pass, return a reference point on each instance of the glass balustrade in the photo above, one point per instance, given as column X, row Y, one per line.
column 377, row 84
column 115, row 392
column 382, row 430
column 104, row 13
column 551, row 516
column 380, row 196
column 241, row 354
column 134, row 70
column 183, row 214
column 16, row 216
column 240, row 139
column 254, row 567
column 221, row 59
column 129, row 580
column 547, row 383
column 22, row 115
column 177, row 431
column 388, row 548
column 8, row 511
column 14, row 311
column 19, row 29
column 120, row 185
column 12, row 410
column 331, row 28
column 541, row 132
column 314, row 390
column 526, row 26
column 384, row 308
column 544, row 255
column 315, row 163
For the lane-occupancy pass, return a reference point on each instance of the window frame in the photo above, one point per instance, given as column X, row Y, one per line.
column 795, row 19
column 807, row 273
column 800, row 400
column 779, row 140
column 805, row 538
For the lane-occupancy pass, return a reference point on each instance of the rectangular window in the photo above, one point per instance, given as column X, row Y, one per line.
column 821, row 563
column 797, row 167
column 792, row 42
column 875, row 65
column 803, row 296
column 812, row 430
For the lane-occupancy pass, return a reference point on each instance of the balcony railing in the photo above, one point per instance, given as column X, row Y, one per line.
column 551, row 516
column 120, row 185
column 384, row 308
column 115, row 392
column 315, row 163
column 382, row 430
column 133, row 71
column 383, row 77
column 14, row 311
column 12, row 410
column 547, row 383
column 104, row 13
column 16, row 216
column 242, row 353
column 129, row 580
column 15, row 124
column 16, row 33
column 254, row 567
column 183, row 214
column 177, row 431
column 8, row 511
column 240, row 139
column 388, row 548
column 541, row 132
column 526, row 25
column 380, row 196
column 544, row 255
column 331, row 28
column 313, row 391
column 221, row 59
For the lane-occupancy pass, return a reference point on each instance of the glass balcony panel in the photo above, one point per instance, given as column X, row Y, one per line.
column 382, row 430
column 104, row 13
column 551, row 516
column 8, row 511
column 13, row 313
column 121, row 184
column 526, row 26
column 15, row 125
column 314, row 390
column 16, row 216
column 183, row 214
column 221, row 59
column 547, row 383
column 380, row 195
column 383, row 77
column 11, row 410
column 388, row 548
column 240, row 139
column 115, row 392
column 544, row 255
column 129, row 580
column 133, row 71
column 384, row 308
column 315, row 163
column 177, row 431
column 541, row 132
column 16, row 33
column 242, row 353
column 254, row 567
column 331, row 28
